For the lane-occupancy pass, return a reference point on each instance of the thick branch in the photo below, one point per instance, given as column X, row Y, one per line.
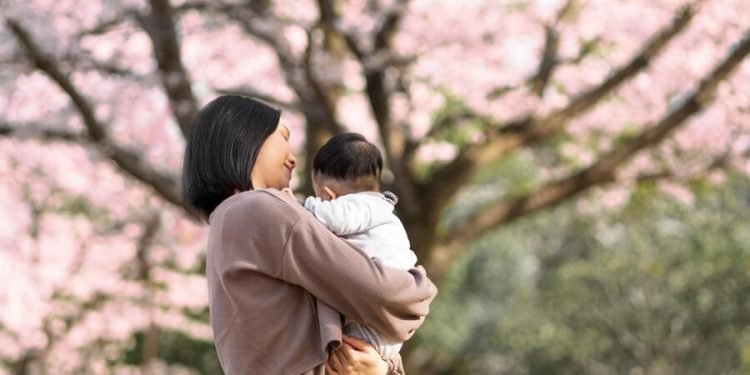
column 378, row 93
column 160, row 27
column 313, row 102
column 389, row 24
column 329, row 19
column 604, row 170
column 42, row 134
column 591, row 97
column 165, row 185
column 527, row 129
column 319, row 104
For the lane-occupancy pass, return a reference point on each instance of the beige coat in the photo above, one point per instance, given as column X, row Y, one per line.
column 273, row 271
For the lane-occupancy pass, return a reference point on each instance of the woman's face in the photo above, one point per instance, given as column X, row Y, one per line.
column 274, row 165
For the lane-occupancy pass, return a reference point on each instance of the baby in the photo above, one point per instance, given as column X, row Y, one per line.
column 346, row 179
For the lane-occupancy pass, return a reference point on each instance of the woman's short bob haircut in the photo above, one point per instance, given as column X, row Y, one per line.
column 226, row 137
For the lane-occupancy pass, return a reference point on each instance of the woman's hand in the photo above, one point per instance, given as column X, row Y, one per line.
column 355, row 357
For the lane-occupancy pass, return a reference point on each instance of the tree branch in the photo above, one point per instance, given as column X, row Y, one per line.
column 108, row 25
column 547, row 63
column 257, row 94
column 320, row 102
column 549, row 59
column 602, row 171
column 160, row 27
column 378, row 94
column 265, row 27
column 718, row 163
column 298, row 74
column 330, row 19
column 40, row 133
column 591, row 97
column 85, row 62
column 198, row 5
column 167, row 186
column 527, row 129
column 389, row 24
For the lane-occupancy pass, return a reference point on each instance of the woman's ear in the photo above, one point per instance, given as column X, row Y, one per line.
column 330, row 193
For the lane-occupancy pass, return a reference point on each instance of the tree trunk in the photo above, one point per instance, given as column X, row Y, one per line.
column 316, row 136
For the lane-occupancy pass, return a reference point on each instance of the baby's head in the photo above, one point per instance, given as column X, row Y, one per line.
column 346, row 164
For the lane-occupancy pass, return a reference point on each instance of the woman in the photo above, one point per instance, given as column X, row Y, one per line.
column 272, row 269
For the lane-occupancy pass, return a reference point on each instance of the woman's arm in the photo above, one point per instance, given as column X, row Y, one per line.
column 270, row 233
column 392, row 302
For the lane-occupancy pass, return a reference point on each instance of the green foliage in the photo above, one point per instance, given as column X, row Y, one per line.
column 63, row 203
column 456, row 123
column 657, row 287
column 507, row 177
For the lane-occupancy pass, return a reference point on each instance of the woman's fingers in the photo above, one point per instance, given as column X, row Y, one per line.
column 343, row 358
column 340, row 360
column 330, row 370
column 346, row 352
column 334, row 362
column 355, row 356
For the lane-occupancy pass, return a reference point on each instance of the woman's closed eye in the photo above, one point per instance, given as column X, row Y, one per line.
column 285, row 132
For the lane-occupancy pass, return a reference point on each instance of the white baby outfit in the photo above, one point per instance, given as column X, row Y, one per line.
column 367, row 221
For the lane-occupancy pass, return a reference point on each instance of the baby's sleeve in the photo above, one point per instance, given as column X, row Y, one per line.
column 342, row 216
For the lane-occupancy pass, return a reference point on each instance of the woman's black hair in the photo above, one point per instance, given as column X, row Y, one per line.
column 350, row 157
column 220, row 153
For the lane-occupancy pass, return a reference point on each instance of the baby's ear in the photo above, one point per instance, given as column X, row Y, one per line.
column 331, row 194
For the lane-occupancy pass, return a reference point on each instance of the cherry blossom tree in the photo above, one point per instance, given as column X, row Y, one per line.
column 96, row 100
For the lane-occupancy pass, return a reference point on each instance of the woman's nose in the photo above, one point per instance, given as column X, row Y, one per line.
column 292, row 161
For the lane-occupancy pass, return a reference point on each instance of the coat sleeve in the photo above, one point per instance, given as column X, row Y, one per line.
column 392, row 302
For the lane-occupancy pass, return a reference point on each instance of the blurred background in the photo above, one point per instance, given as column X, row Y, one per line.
column 574, row 174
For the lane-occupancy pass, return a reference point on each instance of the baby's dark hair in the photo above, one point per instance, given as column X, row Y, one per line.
column 350, row 158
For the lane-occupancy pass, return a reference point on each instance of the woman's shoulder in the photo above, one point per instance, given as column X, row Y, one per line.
column 265, row 196
column 267, row 204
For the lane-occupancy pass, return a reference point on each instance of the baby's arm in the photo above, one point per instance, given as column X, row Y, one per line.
column 342, row 216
